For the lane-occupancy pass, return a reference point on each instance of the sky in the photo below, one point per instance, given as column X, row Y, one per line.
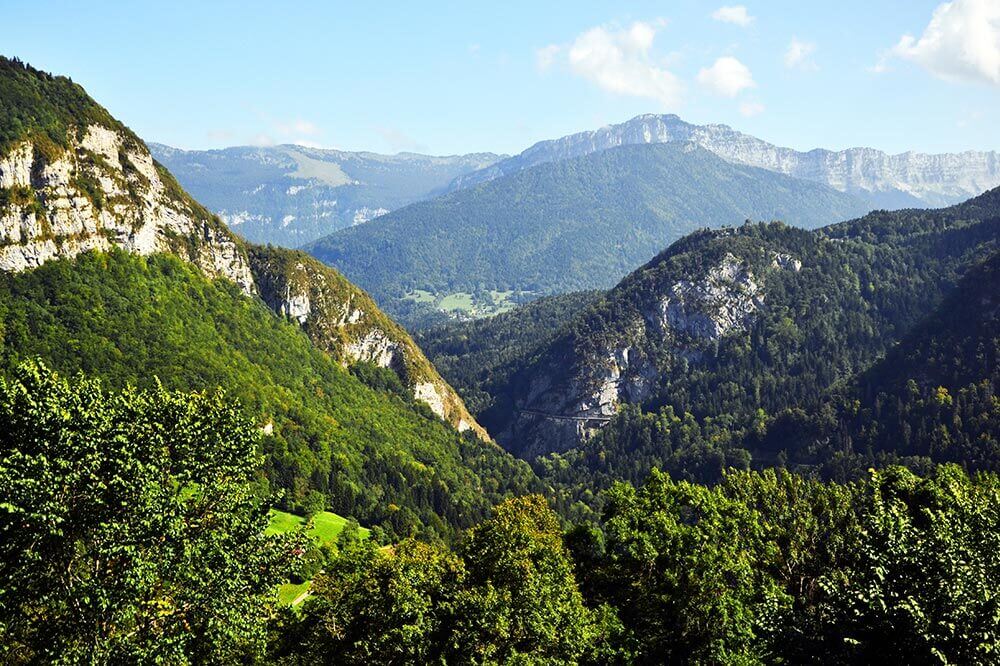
column 448, row 78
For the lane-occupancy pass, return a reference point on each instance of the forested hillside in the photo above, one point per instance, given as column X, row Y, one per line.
column 743, row 348
column 576, row 224
column 479, row 355
column 112, row 270
column 358, row 438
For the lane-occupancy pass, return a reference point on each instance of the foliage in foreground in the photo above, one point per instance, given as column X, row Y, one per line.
column 129, row 527
column 764, row 568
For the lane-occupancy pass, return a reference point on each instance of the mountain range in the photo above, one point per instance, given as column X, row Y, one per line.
column 290, row 195
column 754, row 441
column 905, row 180
column 574, row 224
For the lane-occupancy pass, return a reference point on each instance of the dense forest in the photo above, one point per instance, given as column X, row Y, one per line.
column 167, row 560
column 480, row 354
column 798, row 388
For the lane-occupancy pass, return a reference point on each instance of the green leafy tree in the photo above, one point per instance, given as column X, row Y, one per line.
column 520, row 601
column 129, row 530
column 375, row 606
column 918, row 584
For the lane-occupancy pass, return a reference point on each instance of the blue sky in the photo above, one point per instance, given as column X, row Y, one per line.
column 462, row 77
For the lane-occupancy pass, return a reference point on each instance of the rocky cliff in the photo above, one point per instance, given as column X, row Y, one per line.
column 345, row 322
column 102, row 190
column 891, row 181
column 73, row 179
column 668, row 323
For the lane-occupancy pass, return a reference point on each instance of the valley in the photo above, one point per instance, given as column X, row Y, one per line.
column 306, row 392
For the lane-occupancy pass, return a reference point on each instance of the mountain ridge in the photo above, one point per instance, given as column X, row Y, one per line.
column 67, row 189
column 575, row 224
column 891, row 180
column 762, row 315
column 291, row 194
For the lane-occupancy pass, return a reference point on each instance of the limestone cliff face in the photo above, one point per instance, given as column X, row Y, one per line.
column 570, row 396
column 105, row 191
column 345, row 322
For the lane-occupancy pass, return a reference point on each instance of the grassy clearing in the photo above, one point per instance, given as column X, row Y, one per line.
column 463, row 305
column 421, row 296
column 325, row 528
column 289, row 592
column 459, row 301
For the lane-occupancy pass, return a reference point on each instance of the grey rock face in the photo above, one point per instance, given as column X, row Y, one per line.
column 564, row 407
column 890, row 181
column 127, row 205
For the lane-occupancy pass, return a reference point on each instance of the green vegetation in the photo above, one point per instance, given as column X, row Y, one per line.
column 340, row 315
column 163, row 556
column 575, row 224
column 376, row 456
column 479, row 356
column 421, row 296
column 798, row 388
column 290, row 593
column 460, row 301
column 763, row 568
column 42, row 107
column 419, row 307
column 131, row 529
column 323, row 526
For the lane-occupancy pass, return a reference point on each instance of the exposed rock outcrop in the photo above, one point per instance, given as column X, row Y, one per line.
column 570, row 397
column 346, row 323
column 105, row 191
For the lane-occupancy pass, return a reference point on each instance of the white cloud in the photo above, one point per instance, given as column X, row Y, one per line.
column 399, row 141
column 797, row 55
column 733, row 14
column 961, row 43
column 751, row 108
column 619, row 60
column 728, row 76
column 296, row 127
column 546, row 55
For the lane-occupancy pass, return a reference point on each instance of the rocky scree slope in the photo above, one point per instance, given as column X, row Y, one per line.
column 72, row 179
column 890, row 181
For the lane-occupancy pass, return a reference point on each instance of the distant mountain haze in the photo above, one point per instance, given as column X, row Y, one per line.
column 289, row 195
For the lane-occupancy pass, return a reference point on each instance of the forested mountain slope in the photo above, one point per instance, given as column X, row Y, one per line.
column 575, row 224
column 108, row 267
column 478, row 356
column 728, row 322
